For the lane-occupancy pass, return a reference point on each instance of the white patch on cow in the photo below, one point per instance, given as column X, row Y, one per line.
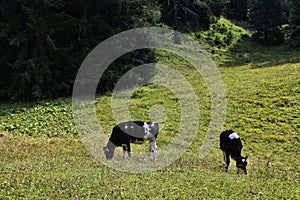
column 233, row 135
column 147, row 131
column 243, row 160
column 131, row 127
column 146, row 128
column 126, row 127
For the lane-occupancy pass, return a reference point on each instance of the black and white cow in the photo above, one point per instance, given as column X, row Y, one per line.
column 231, row 145
column 137, row 132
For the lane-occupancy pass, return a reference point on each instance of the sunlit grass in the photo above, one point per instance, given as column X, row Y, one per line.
column 262, row 106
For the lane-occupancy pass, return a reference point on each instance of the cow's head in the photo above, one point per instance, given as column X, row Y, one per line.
column 241, row 164
column 109, row 153
column 151, row 130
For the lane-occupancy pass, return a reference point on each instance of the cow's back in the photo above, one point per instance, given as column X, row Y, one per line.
column 224, row 140
column 231, row 145
column 127, row 132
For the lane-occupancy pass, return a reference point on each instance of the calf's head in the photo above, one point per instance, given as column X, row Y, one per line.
column 151, row 130
column 109, row 153
column 241, row 164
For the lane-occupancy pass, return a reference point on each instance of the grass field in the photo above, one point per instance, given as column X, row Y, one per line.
column 42, row 156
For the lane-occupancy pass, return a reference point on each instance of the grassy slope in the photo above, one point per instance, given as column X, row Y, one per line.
column 43, row 158
column 230, row 45
column 263, row 107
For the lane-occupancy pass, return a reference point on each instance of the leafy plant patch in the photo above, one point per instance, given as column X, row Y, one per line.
column 49, row 118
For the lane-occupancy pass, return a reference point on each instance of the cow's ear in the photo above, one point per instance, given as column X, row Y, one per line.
column 246, row 157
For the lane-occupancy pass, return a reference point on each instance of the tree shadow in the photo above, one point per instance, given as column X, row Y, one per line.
column 249, row 52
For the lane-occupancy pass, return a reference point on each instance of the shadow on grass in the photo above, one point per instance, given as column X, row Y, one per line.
column 250, row 53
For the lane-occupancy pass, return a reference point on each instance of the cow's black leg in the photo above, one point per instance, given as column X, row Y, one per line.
column 226, row 160
column 129, row 150
column 125, row 148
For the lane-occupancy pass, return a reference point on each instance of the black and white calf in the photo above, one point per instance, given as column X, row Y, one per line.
column 137, row 132
column 231, row 145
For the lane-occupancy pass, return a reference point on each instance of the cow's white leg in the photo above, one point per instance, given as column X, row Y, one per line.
column 226, row 161
column 153, row 150
column 153, row 155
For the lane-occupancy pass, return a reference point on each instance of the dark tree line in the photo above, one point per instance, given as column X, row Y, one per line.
column 271, row 19
column 43, row 42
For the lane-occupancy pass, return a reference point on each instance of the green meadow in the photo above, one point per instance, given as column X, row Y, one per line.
column 255, row 46
column 42, row 156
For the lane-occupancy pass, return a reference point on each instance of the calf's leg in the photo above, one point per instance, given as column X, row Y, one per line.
column 129, row 150
column 125, row 149
column 153, row 150
column 226, row 160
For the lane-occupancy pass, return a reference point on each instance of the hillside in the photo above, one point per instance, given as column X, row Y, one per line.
column 253, row 47
column 262, row 106
column 42, row 155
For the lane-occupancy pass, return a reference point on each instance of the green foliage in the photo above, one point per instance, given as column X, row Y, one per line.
column 232, row 45
column 292, row 36
column 217, row 6
column 266, row 14
column 219, row 40
column 135, row 13
column 191, row 15
column 44, row 42
column 51, row 118
column 237, row 9
column 293, row 11
column 266, row 17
